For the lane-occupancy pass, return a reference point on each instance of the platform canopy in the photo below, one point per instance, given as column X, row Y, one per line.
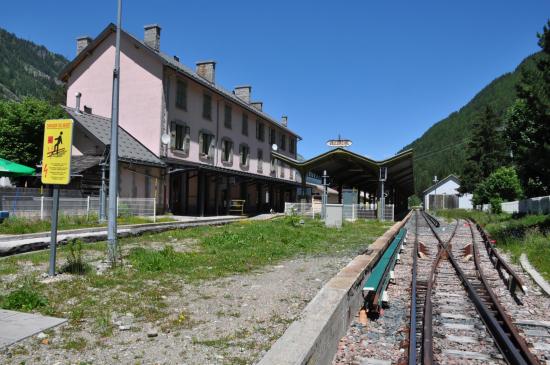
column 349, row 169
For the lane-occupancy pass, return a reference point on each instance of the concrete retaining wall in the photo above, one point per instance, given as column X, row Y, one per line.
column 313, row 338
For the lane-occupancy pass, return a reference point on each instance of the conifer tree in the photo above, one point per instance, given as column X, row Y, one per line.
column 528, row 128
column 486, row 151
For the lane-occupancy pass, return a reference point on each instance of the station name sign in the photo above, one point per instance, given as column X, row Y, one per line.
column 339, row 142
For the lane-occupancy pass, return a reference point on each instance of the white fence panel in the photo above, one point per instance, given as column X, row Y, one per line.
column 350, row 212
column 41, row 207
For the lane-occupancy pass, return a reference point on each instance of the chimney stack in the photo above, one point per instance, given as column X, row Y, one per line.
column 207, row 70
column 284, row 121
column 243, row 93
column 81, row 43
column 257, row 104
column 78, row 96
column 151, row 36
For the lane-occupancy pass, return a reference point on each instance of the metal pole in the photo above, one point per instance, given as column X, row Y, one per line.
column 113, row 167
column 325, row 195
column 102, row 192
column 382, row 201
column 53, row 234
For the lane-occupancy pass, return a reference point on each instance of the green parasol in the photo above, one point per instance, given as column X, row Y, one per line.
column 12, row 169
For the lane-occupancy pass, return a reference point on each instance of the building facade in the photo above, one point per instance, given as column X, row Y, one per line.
column 445, row 195
column 216, row 144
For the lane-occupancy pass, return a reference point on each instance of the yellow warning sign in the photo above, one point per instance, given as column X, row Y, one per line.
column 56, row 158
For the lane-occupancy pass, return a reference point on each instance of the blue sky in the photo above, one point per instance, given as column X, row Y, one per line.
column 377, row 72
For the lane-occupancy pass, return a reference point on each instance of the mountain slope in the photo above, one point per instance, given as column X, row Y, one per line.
column 442, row 149
column 27, row 69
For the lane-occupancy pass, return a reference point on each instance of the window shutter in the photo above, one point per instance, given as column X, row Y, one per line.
column 224, row 149
column 172, row 134
column 201, row 143
column 187, row 139
column 231, row 152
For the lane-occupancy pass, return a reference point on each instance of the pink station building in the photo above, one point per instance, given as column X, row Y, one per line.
column 183, row 139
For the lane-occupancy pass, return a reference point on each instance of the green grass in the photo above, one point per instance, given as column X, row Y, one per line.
column 15, row 225
column 155, row 267
column 242, row 247
column 25, row 298
column 529, row 234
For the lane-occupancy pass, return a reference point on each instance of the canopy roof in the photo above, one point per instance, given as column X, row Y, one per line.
column 12, row 169
column 353, row 170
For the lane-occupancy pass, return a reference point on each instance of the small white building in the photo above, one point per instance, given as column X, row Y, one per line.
column 445, row 195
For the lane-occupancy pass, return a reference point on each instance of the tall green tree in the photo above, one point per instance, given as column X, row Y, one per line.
column 503, row 184
column 528, row 128
column 486, row 150
column 22, row 129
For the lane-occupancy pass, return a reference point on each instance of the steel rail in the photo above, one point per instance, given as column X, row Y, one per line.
column 501, row 336
column 427, row 323
column 513, row 281
column 412, row 327
column 511, row 332
column 433, row 219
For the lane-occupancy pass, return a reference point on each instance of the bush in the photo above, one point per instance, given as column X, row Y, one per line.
column 496, row 205
column 503, row 183
column 26, row 298
column 75, row 264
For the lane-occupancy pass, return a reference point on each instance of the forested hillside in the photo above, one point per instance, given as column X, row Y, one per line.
column 27, row 69
column 442, row 149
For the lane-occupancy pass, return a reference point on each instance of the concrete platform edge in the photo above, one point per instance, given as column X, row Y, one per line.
column 535, row 275
column 13, row 246
column 313, row 338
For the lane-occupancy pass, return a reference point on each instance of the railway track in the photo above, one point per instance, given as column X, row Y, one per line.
column 456, row 318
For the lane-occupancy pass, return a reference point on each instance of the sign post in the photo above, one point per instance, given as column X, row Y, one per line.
column 56, row 169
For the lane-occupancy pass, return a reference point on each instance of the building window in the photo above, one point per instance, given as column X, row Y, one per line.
column 206, row 145
column 283, row 142
column 272, row 139
column 292, row 145
column 207, row 106
column 181, row 95
column 245, row 124
column 260, row 135
column 227, row 117
column 282, row 171
column 180, row 137
column 260, row 160
column 244, row 153
column 227, row 151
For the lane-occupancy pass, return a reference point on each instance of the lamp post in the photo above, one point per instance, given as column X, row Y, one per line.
column 382, row 201
column 113, row 165
column 325, row 194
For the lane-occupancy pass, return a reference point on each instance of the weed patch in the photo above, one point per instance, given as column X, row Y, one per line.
column 25, row 298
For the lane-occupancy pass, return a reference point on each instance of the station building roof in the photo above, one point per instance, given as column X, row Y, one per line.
column 354, row 170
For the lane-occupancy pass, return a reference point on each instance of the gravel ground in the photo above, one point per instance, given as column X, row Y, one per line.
column 233, row 320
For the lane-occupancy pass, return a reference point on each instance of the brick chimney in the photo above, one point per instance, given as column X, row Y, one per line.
column 81, row 43
column 243, row 93
column 257, row 104
column 207, row 70
column 151, row 36
column 284, row 121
